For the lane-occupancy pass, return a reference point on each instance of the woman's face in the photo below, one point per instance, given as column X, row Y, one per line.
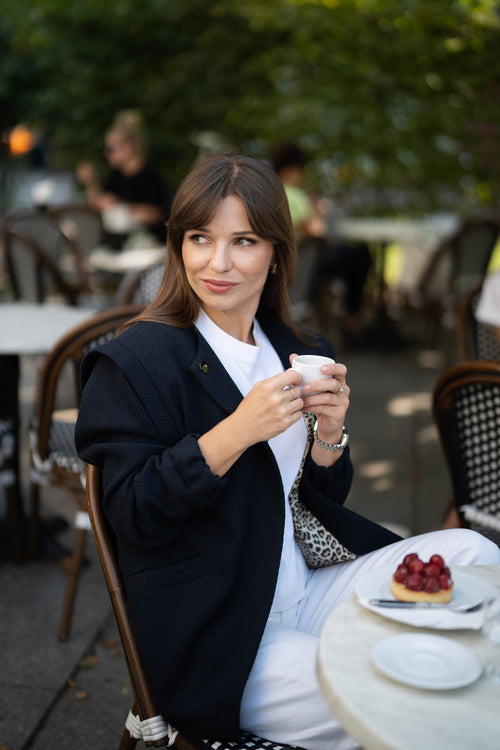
column 227, row 265
column 118, row 150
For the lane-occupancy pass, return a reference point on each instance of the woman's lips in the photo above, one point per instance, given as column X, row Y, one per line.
column 219, row 287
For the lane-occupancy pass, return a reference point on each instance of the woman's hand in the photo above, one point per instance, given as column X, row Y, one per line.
column 330, row 406
column 268, row 409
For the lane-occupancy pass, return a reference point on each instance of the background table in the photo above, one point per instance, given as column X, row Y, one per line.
column 385, row 715
column 28, row 329
column 34, row 329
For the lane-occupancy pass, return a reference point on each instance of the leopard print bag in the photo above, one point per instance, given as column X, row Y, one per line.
column 318, row 545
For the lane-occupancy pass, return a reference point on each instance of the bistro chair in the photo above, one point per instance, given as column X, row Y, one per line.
column 54, row 461
column 80, row 223
column 141, row 286
column 34, row 275
column 458, row 264
column 63, row 250
column 466, row 410
column 475, row 339
column 143, row 722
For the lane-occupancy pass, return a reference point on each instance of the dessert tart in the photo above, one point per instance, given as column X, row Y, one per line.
column 417, row 581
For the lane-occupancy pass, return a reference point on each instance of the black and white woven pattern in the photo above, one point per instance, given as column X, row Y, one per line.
column 477, row 408
column 247, row 742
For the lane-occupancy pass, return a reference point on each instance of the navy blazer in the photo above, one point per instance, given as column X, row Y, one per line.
column 199, row 553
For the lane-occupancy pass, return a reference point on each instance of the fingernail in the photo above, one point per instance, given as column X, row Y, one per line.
column 306, row 387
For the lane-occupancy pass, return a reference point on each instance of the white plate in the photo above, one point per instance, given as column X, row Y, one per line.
column 426, row 661
column 468, row 590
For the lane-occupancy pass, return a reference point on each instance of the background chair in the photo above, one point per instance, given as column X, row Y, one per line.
column 143, row 722
column 83, row 226
column 80, row 223
column 34, row 276
column 458, row 264
column 41, row 260
column 141, row 286
column 476, row 340
column 54, row 459
column 466, row 410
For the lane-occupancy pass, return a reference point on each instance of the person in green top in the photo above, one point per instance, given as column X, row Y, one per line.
column 348, row 261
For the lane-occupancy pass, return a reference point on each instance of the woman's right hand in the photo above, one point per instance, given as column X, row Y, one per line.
column 268, row 409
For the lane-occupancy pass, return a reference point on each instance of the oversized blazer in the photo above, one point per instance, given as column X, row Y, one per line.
column 199, row 553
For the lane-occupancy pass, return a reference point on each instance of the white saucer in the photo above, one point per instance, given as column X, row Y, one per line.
column 425, row 661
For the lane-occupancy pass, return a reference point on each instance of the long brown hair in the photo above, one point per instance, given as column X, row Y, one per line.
column 195, row 204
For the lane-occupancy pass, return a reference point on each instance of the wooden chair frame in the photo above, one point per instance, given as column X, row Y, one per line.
column 160, row 733
column 70, row 348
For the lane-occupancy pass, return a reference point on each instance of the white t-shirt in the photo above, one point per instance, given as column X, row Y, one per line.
column 246, row 365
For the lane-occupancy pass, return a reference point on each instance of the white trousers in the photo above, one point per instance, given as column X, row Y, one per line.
column 282, row 699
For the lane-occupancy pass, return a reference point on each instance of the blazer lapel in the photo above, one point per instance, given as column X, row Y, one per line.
column 208, row 371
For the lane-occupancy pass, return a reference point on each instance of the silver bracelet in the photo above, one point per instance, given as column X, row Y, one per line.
column 331, row 446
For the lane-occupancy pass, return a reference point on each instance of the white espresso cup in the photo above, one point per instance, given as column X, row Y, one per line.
column 309, row 367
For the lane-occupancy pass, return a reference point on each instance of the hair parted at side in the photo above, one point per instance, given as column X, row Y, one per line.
column 195, row 204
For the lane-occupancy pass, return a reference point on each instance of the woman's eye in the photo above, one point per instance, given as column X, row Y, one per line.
column 198, row 239
column 245, row 242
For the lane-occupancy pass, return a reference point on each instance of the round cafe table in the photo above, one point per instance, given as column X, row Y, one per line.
column 26, row 330
column 383, row 714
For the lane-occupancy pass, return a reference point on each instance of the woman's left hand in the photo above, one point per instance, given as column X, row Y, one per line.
column 329, row 402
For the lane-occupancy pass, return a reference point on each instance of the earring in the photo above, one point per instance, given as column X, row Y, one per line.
column 272, row 269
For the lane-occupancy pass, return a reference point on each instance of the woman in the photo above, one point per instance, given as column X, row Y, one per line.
column 196, row 421
column 131, row 180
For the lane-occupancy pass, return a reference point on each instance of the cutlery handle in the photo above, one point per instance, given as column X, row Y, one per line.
column 397, row 604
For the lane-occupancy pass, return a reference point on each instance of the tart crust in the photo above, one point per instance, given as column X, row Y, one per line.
column 399, row 590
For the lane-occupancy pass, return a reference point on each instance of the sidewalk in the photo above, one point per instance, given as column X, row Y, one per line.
column 76, row 694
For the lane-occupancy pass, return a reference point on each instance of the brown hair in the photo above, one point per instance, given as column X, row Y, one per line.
column 195, row 204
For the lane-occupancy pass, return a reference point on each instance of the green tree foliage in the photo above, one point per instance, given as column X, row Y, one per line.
column 391, row 97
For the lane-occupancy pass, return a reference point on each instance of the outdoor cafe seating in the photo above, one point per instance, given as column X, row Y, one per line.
column 54, row 461
column 457, row 265
column 41, row 259
column 466, row 410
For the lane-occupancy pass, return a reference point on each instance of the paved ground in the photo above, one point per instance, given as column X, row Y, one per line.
column 55, row 696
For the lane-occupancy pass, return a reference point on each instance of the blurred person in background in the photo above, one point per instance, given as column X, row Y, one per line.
column 133, row 195
column 347, row 261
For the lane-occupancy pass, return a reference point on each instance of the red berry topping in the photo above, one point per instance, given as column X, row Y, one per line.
column 415, row 582
column 419, row 576
column 401, row 573
column 431, row 585
column 444, row 581
column 409, row 558
column 416, row 565
column 437, row 560
column 431, row 570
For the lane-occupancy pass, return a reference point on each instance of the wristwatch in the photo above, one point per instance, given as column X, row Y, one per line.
column 331, row 446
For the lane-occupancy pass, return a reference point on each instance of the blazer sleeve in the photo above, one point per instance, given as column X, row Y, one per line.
column 152, row 482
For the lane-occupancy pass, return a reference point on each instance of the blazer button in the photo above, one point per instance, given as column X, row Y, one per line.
column 204, row 367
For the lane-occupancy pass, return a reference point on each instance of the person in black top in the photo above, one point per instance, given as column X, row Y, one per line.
column 131, row 180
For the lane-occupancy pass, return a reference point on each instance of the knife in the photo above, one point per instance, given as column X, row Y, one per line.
column 397, row 604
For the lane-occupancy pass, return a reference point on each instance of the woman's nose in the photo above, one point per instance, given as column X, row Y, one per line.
column 221, row 258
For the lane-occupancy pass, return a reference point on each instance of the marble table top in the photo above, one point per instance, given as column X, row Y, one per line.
column 383, row 714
